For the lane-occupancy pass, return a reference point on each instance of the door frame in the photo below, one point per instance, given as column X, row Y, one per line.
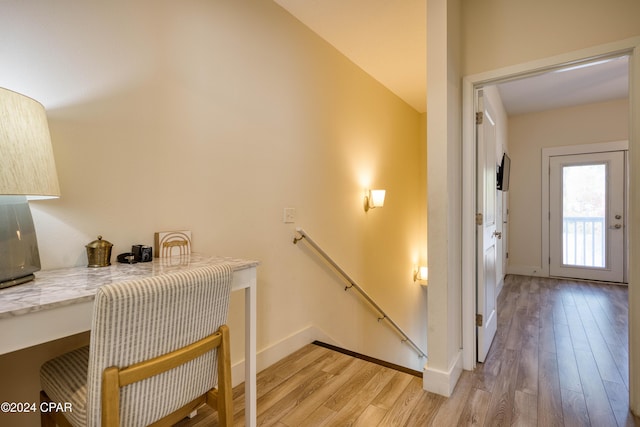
column 569, row 150
column 470, row 84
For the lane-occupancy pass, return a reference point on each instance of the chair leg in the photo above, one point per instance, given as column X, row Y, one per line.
column 225, row 392
column 110, row 397
column 46, row 418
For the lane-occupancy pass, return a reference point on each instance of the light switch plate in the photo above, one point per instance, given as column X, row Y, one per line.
column 289, row 215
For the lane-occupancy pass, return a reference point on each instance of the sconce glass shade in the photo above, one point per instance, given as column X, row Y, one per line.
column 27, row 171
column 374, row 199
column 27, row 166
column 377, row 198
column 421, row 274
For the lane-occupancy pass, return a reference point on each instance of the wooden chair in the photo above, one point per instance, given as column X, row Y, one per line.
column 158, row 348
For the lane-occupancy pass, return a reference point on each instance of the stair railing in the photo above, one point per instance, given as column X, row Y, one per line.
column 301, row 234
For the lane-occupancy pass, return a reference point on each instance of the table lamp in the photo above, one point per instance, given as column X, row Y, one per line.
column 27, row 172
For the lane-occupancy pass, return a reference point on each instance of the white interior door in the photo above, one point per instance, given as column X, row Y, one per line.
column 587, row 216
column 486, row 233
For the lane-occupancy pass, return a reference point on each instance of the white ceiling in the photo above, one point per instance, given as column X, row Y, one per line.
column 388, row 40
column 590, row 82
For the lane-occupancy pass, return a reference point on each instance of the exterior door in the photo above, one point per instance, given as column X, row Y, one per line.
column 587, row 216
column 486, row 233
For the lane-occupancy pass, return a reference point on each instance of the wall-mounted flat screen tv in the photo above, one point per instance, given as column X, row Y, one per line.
column 503, row 173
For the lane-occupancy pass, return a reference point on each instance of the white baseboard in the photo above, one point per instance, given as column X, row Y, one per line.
column 271, row 354
column 442, row 382
column 500, row 285
column 527, row 270
column 434, row 381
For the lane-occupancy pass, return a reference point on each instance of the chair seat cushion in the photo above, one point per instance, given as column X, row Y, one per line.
column 64, row 379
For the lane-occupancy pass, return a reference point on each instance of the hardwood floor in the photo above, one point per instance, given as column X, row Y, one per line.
column 559, row 358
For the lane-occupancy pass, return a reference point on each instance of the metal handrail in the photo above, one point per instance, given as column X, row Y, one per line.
column 352, row 284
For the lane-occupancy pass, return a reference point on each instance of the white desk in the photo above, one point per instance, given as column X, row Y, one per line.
column 59, row 303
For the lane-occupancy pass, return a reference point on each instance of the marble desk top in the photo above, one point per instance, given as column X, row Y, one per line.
column 65, row 286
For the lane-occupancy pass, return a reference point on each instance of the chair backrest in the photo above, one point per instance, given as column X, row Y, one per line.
column 142, row 319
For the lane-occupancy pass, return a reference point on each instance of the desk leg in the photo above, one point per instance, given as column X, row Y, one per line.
column 250, row 387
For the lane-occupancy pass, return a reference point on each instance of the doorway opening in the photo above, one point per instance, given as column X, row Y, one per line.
column 471, row 86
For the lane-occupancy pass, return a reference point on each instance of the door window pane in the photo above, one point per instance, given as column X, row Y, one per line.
column 583, row 215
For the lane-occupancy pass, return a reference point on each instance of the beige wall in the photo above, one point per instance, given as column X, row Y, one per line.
column 528, row 135
column 501, row 33
column 213, row 117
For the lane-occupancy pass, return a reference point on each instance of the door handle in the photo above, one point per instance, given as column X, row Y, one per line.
column 498, row 234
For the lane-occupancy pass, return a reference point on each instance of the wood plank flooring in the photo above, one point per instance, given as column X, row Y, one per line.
column 559, row 358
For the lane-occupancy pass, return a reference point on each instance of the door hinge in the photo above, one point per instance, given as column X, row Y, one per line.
column 478, row 320
column 479, row 117
column 507, row 255
column 478, row 219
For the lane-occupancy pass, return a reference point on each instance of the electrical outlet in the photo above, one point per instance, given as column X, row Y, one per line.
column 289, row 216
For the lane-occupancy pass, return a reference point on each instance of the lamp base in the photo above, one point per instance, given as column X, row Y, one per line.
column 19, row 255
column 18, row 281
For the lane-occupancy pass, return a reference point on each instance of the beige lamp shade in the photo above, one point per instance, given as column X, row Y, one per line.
column 27, row 166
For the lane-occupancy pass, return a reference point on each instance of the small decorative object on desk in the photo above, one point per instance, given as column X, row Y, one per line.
column 142, row 253
column 99, row 253
column 172, row 243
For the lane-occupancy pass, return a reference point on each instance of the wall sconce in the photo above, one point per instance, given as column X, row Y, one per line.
column 421, row 274
column 27, row 171
column 374, row 199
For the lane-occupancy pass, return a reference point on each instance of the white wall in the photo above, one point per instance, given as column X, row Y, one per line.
column 444, row 209
column 528, row 135
column 213, row 117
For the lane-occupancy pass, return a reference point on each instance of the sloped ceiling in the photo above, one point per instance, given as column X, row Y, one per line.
column 388, row 40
